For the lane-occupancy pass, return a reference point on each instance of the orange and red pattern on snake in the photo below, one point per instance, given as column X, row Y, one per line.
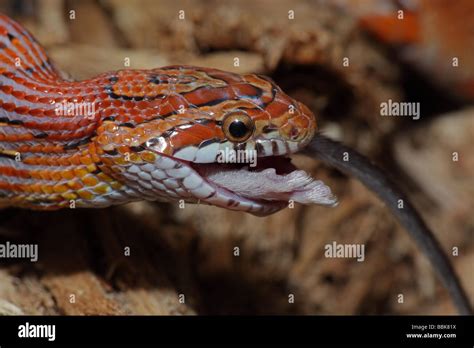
column 147, row 134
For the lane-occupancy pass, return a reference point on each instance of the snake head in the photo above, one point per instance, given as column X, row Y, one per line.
column 222, row 139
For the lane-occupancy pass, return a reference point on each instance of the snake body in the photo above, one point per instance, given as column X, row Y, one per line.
column 136, row 134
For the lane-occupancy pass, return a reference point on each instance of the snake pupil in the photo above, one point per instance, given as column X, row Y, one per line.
column 238, row 129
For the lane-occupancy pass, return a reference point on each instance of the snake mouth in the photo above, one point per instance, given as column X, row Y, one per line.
column 262, row 188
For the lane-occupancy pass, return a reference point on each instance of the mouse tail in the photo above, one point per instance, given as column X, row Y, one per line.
column 333, row 153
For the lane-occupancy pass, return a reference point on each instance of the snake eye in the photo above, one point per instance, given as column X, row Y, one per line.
column 238, row 127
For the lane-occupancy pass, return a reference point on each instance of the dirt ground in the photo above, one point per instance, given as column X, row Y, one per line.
column 183, row 261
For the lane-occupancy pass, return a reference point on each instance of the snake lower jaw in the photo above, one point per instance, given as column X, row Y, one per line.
column 263, row 189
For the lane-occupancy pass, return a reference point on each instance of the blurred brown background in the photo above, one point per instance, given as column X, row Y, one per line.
column 191, row 251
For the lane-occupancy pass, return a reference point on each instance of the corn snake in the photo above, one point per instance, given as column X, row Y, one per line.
column 147, row 134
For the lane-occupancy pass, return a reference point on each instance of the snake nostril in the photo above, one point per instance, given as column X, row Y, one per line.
column 294, row 133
